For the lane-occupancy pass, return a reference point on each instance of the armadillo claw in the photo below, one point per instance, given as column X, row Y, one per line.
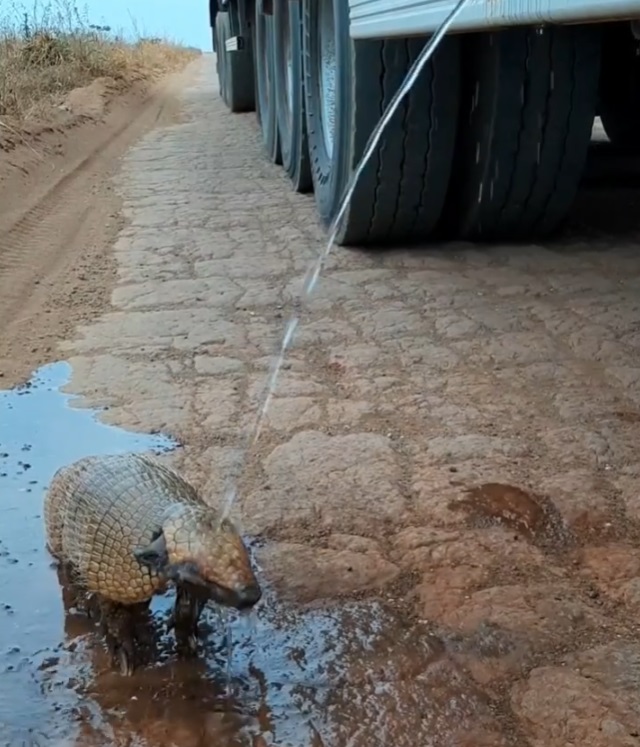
column 119, row 629
column 125, row 663
column 91, row 607
column 171, row 622
column 123, row 655
column 183, row 620
column 187, row 645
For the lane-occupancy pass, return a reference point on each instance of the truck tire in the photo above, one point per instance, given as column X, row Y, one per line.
column 620, row 86
column 235, row 69
column 527, row 109
column 264, row 76
column 400, row 194
column 289, row 87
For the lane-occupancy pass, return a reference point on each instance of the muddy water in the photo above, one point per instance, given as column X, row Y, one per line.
column 39, row 432
column 340, row 674
column 534, row 516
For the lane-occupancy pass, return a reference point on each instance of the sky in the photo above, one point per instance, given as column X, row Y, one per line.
column 185, row 21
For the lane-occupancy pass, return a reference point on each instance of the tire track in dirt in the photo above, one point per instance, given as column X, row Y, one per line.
column 57, row 226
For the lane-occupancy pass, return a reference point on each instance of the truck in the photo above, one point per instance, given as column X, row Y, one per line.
column 489, row 144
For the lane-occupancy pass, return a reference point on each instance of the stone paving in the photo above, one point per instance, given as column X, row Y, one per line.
column 455, row 429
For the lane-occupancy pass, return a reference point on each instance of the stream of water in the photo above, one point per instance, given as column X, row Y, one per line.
column 313, row 273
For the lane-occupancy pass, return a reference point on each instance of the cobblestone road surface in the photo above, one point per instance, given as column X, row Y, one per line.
column 455, row 434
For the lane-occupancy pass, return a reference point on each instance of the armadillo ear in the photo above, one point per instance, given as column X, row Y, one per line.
column 154, row 555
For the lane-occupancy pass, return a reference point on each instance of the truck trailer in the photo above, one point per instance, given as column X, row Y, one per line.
column 491, row 142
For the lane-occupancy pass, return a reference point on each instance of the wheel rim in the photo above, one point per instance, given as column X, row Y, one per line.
column 327, row 72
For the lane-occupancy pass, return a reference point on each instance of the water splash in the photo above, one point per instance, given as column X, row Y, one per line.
column 229, row 647
column 313, row 273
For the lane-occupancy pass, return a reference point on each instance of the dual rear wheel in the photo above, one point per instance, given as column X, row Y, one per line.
column 235, row 67
column 489, row 144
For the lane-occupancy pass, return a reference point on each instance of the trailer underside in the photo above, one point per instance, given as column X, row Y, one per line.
column 489, row 144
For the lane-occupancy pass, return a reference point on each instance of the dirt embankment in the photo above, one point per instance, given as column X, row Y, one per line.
column 70, row 106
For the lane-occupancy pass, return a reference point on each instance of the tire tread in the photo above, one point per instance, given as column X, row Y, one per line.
column 402, row 190
column 534, row 132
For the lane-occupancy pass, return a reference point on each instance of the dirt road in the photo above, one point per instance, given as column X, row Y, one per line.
column 444, row 503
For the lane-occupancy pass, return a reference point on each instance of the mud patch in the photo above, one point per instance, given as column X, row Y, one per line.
column 313, row 676
column 532, row 516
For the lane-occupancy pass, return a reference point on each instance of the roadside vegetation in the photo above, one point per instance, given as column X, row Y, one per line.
column 48, row 50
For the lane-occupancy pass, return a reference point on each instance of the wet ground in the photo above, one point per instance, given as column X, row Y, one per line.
column 281, row 675
column 443, row 505
column 39, row 432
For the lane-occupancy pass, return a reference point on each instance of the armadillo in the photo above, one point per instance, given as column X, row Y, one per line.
column 129, row 527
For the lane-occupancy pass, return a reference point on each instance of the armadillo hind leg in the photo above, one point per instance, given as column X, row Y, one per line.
column 72, row 595
column 143, row 629
column 75, row 597
column 118, row 624
column 184, row 619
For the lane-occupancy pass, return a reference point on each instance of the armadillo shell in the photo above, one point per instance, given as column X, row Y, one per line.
column 100, row 508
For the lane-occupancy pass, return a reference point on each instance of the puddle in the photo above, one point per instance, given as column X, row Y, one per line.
column 532, row 516
column 39, row 432
column 346, row 676
column 353, row 675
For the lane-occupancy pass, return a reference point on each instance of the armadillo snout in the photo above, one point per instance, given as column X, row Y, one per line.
column 248, row 597
column 240, row 597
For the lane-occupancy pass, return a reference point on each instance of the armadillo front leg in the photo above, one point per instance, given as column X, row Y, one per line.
column 118, row 627
column 184, row 619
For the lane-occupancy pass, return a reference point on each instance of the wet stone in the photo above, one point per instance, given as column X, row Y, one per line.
column 219, row 400
column 288, row 413
column 614, row 665
column 629, row 490
column 348, row 413
column 304, row 573
column 582, row 500
column 558, row 706
column 615, row 571
column 532, row 618
column 473, row 446
column 216, row 365
column 308, row 478
column 448, row 708
column 532, row 516
column 428, row 548
column 458, row 570
column 353, row 543
column 539, row 609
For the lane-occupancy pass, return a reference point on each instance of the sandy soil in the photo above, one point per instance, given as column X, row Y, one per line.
column 60, row 215
column 445, row 494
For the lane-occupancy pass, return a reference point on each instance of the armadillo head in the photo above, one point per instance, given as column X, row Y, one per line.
column 197, row 548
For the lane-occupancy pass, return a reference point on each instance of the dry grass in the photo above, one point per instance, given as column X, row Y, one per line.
column 48, row 52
